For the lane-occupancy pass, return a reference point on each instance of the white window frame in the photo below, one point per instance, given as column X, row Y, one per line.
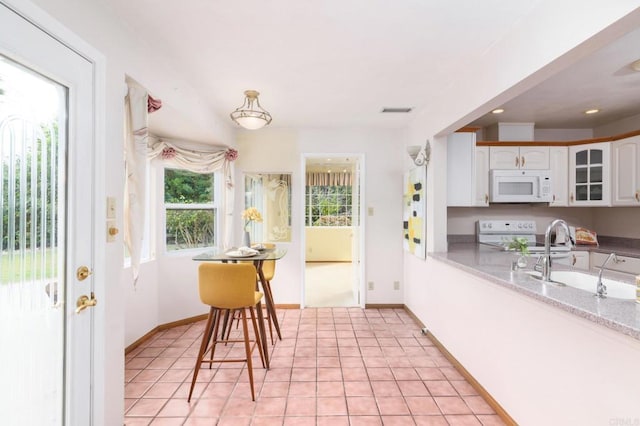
column 215, row 206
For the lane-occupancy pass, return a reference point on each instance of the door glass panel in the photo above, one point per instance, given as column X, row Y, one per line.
column 33, row 115
column 581, row 192
column 595, row 192
column 596, row 156
column 581, row 158
column 596, row 174
column 581, row 175
column 270, row 193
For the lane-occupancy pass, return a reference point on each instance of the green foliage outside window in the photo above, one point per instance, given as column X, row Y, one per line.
column 328, row 206
column 190, row 209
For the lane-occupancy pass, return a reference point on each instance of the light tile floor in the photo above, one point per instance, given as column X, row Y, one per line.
column 334, row 366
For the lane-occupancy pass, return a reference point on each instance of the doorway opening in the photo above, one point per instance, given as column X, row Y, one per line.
column 333, row 231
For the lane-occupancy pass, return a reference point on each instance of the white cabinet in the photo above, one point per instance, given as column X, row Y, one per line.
column 559, row 165
column 628, row 265
column 576, row 259
column 519, row 157
column 481, row 176
column 467, row 171
column 625, row 172
column 589, row 174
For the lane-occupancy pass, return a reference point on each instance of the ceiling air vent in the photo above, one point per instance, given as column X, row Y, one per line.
column 404, row 110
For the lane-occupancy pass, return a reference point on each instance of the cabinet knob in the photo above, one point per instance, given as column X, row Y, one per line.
column 486, row 198
column 517, row 161
column 574, row 260
column 522, row 162
column 571, row 197
column 554, row 198
column 638, row 196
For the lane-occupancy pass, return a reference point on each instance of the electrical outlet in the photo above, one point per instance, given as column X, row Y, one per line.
column 370, row 285
column 396, row 285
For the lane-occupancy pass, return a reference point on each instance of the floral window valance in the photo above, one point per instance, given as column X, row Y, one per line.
column 201, row 159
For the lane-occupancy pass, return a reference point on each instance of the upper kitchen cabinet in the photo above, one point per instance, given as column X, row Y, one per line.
column 625, row 172
column 519, row 157
column 467, row 171
column 559, row 166
column 589, row 174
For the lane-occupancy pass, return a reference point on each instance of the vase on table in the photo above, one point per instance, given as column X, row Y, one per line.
column 246, row 241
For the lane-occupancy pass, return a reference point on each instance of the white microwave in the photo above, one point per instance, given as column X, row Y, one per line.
column 520, row 186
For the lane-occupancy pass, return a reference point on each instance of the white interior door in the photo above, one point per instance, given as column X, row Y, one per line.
column 46, row 170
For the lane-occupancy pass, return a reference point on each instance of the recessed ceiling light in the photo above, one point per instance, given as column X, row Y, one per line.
column 635, row 65
column 592, row 111
column 497, row 111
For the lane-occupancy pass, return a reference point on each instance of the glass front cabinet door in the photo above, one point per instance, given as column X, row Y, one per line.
column 589, row 175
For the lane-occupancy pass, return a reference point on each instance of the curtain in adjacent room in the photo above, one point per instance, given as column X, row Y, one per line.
column 328, row 179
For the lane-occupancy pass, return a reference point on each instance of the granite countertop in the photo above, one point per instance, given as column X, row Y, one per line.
column 495, row 266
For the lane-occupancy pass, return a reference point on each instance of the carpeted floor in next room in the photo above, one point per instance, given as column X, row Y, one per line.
column 333, row 366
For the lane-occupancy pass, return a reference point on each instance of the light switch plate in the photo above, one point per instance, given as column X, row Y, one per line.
column 111, row 207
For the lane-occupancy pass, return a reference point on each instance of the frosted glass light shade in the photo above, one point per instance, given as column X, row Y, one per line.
column 251, row 115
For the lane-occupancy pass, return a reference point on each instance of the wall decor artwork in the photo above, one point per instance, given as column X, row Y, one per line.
column 414, row 212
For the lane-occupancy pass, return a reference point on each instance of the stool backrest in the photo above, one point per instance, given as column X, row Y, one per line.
column 227, row 285
column 269, row 266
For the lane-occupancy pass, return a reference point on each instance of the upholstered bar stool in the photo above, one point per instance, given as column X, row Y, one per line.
column 268, row 272
column 226, row 287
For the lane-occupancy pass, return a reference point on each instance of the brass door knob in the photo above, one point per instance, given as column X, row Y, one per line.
column 85, row 302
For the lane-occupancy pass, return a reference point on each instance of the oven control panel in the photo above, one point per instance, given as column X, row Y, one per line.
column 507, row 227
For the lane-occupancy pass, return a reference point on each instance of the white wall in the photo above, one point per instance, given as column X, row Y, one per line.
column 552, row 135
column 617, row 222
column 621, row 126
column 328, row 243
column 274, row 150
column 545, row 366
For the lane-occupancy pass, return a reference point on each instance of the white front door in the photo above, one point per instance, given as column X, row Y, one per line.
column 46, row 198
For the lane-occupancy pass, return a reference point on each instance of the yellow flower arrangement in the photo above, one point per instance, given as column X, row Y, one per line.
column 251, row 214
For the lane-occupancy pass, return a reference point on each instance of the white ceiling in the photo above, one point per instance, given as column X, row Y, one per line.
column 603, row 80
column 336, row 63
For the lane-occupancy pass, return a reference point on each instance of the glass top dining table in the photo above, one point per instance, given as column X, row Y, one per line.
column 216, row 254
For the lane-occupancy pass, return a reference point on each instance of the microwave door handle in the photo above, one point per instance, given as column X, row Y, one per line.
column 539, row 187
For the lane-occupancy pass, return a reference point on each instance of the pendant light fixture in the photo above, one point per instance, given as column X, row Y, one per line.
column 251, row 115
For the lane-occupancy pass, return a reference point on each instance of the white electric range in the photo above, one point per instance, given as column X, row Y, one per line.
column 498, row 233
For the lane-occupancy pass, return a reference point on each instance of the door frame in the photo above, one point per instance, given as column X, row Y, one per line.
column 46, row 23
column 362, row 216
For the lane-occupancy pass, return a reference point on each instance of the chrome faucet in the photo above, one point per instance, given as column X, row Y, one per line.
column 546, row 258
column 601, row 289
